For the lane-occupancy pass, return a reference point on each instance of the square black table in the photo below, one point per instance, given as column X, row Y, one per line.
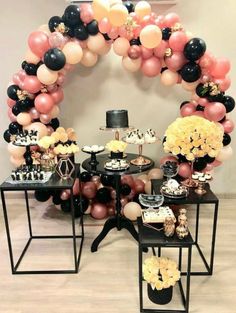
column 151, row 238
column 193, row 198
column 54, row 183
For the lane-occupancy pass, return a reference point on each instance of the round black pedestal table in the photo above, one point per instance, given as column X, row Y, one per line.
column 118, row 221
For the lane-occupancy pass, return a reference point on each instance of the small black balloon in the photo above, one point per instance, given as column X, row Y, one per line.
column 25, row 105
column 125, row 189
column 183, row 103
column 191, row 72
column 16, row 110
column 226, row 139
column 92, row 27
column 103, row 195
column 229, row 103
column 65, row 206
column 194, row 49
column 72, row 16
column 54, row 123
column 7, row 135
column 129, row 6
column 42, row 195
column 23, row 64
column 202, row 91
column 85, row 176
column 14, row 128
column 54, row 59
column 12, row 92
column 70, row 32
column 216, row 98
column 54, row 22
column 81, row 32
column 31, row 69
column 199, row 164
column 56, row 197
column 182, row 158
column 135, row 42
column 208, row 159
column 199, row 108
column 107, row 180
column 166, row 33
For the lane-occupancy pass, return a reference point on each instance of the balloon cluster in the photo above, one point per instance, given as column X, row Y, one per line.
column 96, row 195
column 154, row 44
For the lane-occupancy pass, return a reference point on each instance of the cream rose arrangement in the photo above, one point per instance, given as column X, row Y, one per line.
column 116, row 146
column 160, row 272
column 193, row 137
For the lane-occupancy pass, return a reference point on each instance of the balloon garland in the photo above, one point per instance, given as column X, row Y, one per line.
column 154, row 44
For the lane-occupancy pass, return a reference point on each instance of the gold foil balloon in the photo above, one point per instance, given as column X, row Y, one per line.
column 132, row 211
column 150, row 36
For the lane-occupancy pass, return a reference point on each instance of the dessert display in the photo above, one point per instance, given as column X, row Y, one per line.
column 157, row 216
column 29, row 174
column 152, row 201
column 93, row 149
column 26, row 138
column 138, row 138
column 117, row 119
column 172, row 189
column 116, row 165
column 170, row 169
column 200, row 180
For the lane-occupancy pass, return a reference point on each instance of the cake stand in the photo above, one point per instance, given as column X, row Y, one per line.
column 116, row 130
column 93, row 160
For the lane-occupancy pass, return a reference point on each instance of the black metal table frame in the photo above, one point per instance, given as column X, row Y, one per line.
column 15, row 266
column 208, row 265
column 184, row 296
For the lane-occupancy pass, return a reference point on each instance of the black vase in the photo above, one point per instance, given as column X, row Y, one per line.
column 117, row 155
column 163, row 296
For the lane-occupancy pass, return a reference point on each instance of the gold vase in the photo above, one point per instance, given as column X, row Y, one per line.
column 65, row 167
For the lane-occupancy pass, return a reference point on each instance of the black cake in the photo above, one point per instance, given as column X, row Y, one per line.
column 117, row 119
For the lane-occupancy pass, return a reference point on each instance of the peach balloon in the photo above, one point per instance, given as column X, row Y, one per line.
column 118, row 14
column 55, row 111
column 46, row 76
column 121, row 46
column 155, row 173
column 73, row 52
column 30, row 57
column 131, row 65
column 132, row 211
column 142, row 8
column 41, row 128
column 16, row 151
column 146, row 53
column 225, row 154
column 96, row 43
column 105, row 49
column 100, row 9
column 160, row 50
column 151, row 67
column 143, row 177
column 57, row 95
column 17, row 161
column 148, row 187
column 89, row 58
column 228, row 126
column 23, row 118
column 169, row 78
column 150, row 36
column 189, row 86
column 104, row 26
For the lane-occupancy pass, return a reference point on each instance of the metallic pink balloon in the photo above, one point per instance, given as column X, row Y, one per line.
column 57, row 40
column 38, row 43
column 228, row 126
column 178, row 40
column 32, row 84
column 171, row 19
column 127, row 179
column 57, row 95
column 34, row 113
column 113, row 194
column 89, row 190
column 187, row 109
column 184, row 170
column 123, row 201
column 44, row 103
column 214, row 111
column 10, row 102
column 139, row 186
column 45, row 118
column 160, row 21
column 134, row 52
column 224, row 83
column 151, row 67
column 64, row 195
column 87, row 15
column 99, row 211
column 160, row 50
column 176, row 61
column 146, row 53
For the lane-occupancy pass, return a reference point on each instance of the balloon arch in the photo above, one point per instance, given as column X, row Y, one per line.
column 154, row 44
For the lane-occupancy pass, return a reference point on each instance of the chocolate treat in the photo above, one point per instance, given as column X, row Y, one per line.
column 117, row 119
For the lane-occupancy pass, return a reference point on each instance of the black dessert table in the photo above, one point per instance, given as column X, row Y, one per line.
column 54, row 183
column 118, row 221
column 208, row 198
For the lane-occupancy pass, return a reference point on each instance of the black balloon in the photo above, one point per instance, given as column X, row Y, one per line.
column 135, row 42
column 191, row 72
column 16, row 109
column 216, row 98
column 23, row 64
column 183, row 103
column 107, row 180
column 202, row 91
column 7, row 135
column 12, row 92
column 70, row 32
column 81, row 32
column 226, row 139
column 199, row 164
column 103, row 195
column 166, row 33
column 14, row 128
column 56, row 197
column 54, row 22
column 42, row 195
column 194, row 49
column 54, row 123
column 199, row 108
column 181, row 158
column 92, row 27
column 71, row 16
column 129, row 6
column 31, row 69
column 229, row 103
column 65, row 206
column 54, row 59
column 25, row 105
column 125, row 189
column 209, row 159
column 85, row 176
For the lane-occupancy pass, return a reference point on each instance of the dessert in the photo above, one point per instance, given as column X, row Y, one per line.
column 116, row 165
column 135, row 137
column 117, row 119
column 173, row 189
column 150, row 136
column 26, row 138
column 157, row 216
column 93, row 149
column 31, row 173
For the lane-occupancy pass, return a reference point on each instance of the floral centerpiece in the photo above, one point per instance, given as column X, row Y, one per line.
column 161, row 274
column 117, row 148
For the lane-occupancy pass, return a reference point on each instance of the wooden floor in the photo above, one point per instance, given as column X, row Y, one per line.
column 108, row 279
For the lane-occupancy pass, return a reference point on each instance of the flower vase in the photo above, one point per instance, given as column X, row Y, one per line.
column 163, row 296
column 65, row 166
column 117, row 155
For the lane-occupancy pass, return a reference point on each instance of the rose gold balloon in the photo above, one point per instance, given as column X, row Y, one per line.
column 127, row 179
column 134, row 52
column 96, row 180
column 123, row 201
column 34, row 113
column 64, row 195
column 139, row 186
column 99, row 211
column 45, row 118
column 113, row 194
column 131, row 195
column 76, row 187
column 50, row 130
column 89, row 190
column 111, row 210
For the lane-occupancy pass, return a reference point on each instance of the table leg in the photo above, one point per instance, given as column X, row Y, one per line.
column 73, row 229
column 188, row 278
column 28, row 213
column 213, row 238
column 197, row 223
column 140, row 265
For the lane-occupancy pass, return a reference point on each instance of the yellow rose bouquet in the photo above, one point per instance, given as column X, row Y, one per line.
column 116, row 146
column 193, row 137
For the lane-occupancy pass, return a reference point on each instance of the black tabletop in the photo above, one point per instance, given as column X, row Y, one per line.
column 102, row 158
column 192, row 198
column 55, row 182
column 151, row 238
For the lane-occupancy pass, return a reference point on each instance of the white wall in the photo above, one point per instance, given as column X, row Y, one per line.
column 90, row 92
